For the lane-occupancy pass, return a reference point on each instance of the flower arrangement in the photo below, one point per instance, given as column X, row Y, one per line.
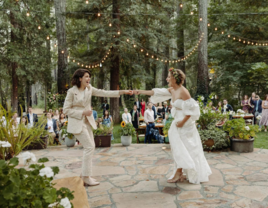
column 126, row 129
column 64, row 131
column 239, row 111
column 31, row 187
column 176, row 75
column 259, row 117
column 237, row 128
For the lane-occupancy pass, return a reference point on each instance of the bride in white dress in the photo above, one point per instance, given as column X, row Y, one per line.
column 185, row 142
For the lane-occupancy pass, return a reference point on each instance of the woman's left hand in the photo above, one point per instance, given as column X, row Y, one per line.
column 128, row 92
column 179, row 124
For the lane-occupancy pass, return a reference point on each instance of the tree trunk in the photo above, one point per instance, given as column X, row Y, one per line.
column 114, row 75
column 180, row 42
column 202, row 74
column 14, row 66
column 60, row 8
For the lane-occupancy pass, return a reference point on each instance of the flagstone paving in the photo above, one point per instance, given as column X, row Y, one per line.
column 136, row 177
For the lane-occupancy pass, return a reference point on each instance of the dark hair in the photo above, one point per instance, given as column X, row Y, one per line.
column 266, row 96
column 30, row 107
column 79, row 73
column 61, row 114
column 25, row 119
column 105, row 112
column 219, row 102
column 134, row 106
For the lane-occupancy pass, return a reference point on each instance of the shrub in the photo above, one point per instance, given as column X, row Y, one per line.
column 32, row 187
column 126, row 129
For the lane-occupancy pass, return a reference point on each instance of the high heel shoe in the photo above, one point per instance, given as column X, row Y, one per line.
column 88, row 181
column 177, row 178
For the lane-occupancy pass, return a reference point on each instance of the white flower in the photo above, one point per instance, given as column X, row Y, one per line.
column 47, row 171
column 212, row 111
column 54, row 204
column 202, row 98
column 5, row 144
column 28, row 157
column 230, row 112
column 212, row 97
column 225, row 106
column 65, row 203
column 259, row 117
column 247, row 128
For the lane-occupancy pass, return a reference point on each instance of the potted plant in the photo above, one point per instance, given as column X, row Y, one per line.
column 126, row 131
column 68, row 137
column 241, row 135
column 103, row 136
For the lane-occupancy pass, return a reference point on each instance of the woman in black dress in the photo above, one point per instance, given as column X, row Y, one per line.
column 135, row 114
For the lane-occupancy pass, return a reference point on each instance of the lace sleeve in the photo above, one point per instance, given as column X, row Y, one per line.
column 160, row 95
column 191, row 108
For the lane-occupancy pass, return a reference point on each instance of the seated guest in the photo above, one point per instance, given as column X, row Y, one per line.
column 24, row 122
column 107, row 121
column 32, row 117
column 219, row 106
column 149, row 120
column 95, row 114
column 257, row 108
column 210, row 105
column 126, row 116
column 160, row 110
column 15, row 118
column 62, row 120
column 135, row 117
column 51, row 127
column 226, row 107
column 56, row 115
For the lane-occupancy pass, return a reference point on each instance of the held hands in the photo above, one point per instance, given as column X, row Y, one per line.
column 136, row 92
column 87, row 113
column 129, row 92
column 180, row 124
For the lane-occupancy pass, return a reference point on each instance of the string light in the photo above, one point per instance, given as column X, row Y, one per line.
column 27, row 14
column 181, row 5
column 192, row 13
column 222, row 32
column 216, row 29
column 47, row 37
column 55, row 45
column 118, row 32
column 39, row 27
column 110, row 24
column 86, row 2
column 200, row 19
column 141, row 50
column 99, row 14
column 208, row 24
column 62, row 51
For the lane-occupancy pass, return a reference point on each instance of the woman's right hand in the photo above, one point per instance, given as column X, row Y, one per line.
column 87, row 113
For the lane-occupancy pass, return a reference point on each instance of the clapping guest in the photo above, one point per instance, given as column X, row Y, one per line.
column 135, row 117
column 264, row 117
column 32, row 117
column 24, row 122
column 226, row 107
column 245, row 104
column 107, row 120
column 126, row 116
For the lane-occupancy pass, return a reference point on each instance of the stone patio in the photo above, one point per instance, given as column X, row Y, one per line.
column 135, row 177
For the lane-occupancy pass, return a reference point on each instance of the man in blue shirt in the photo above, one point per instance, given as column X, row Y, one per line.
column 95, row 114
column 257, row 108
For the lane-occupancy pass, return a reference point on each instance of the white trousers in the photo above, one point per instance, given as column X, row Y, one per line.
column 86, row 138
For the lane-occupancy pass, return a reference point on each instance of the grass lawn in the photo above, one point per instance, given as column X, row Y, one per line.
column 261, row 140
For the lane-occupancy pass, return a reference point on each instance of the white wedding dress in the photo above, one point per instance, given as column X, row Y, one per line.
column 185, row 142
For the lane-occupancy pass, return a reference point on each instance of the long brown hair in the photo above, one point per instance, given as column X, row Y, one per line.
column 79, row 73
column 108, row 116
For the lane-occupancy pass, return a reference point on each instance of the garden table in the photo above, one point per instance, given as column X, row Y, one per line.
column 141, row 131
column 245, row 117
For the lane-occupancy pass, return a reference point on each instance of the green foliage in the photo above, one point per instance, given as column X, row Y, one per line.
column 207, row 114
column 167, row 126
column 19, row 137
column 126, row 129
column 64, row 131
column 237, row 128
column 103, row 130
column 218, row 136
column 21, row 187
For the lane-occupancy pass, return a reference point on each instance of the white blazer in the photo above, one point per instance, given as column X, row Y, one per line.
column 124, row 117
column 77, row 102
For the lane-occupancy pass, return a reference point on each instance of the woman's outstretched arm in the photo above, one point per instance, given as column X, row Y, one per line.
column 144, row 92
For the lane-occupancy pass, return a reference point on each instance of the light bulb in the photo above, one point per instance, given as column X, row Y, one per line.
column 55, row 45
column 208, row 24
column 147, row 54
column 78, row 63
column 82, row 65
column 127, row 40
column 192, row 13
column 28, row 14
column 73, row 60
column 141, row 50
column 229, row 36
column 86, row 2
column 216, row 29
column 200, row 19
column 233, row 38
column 39, row 27
column 110, row 24
column 181, row 5
column 118, row 32
column 100, row 65
column 99, row 14
column 62, row 51
column 47, row 37
column 152, row 56
column 134, row 46
column 222, row 32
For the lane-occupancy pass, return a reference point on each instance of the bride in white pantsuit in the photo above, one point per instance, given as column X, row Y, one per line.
column 77, row 106
column 185, row 142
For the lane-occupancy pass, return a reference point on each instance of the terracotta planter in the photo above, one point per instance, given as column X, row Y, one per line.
column 38, row 145
column 242, row 145
column 126, row 140
column 103, row 141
